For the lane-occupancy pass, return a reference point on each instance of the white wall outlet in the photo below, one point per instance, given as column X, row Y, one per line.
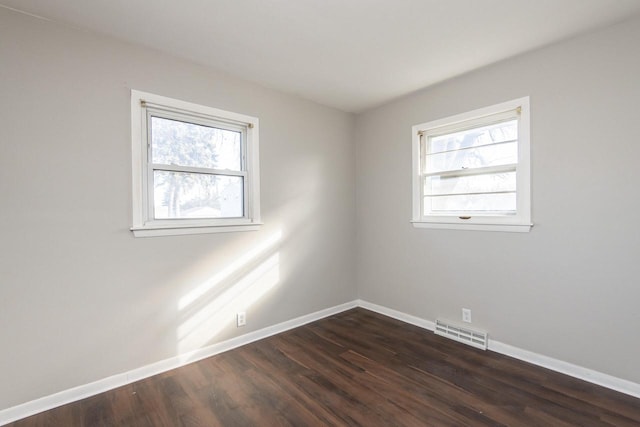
column 466, row 315
column 242, row 318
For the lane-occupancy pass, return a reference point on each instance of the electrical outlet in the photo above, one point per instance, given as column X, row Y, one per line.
column 242, row 318
column 466, row 315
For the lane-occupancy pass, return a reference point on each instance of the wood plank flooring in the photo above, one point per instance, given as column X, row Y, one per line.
column 357, row 368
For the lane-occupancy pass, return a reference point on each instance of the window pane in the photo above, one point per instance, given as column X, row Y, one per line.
column 194, row 195
column 485, row 183
column 488, row 155
column 491, row 134
column 480, row 203
column 186, row 144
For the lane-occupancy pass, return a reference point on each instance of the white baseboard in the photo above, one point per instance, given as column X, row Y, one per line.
column 589, row 375
column 398, row 315
column 586, row 374
column 87, row 390
column 81, row 392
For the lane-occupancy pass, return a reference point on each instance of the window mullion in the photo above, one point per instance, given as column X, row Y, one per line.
column 475, row 193
column 473, row 171
column 191, row 169
column 149, row 185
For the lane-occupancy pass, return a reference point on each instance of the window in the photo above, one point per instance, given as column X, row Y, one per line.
column 195, row 168
column 471, row 171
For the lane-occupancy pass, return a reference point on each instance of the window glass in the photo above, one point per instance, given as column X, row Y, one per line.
column 436, row 185
column 175, row 142
column 472, row 203
column 196, row 195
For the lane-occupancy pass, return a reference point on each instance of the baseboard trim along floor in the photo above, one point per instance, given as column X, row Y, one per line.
column 77, row 393
column 585, row 374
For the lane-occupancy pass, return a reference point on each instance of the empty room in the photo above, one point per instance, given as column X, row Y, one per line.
column 308, row 213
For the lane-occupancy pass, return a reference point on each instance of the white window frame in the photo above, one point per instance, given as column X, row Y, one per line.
column 144, row 224
column 518, row 222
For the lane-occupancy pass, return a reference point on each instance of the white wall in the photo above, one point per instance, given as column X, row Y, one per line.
column 569, row 289
column 80, row 297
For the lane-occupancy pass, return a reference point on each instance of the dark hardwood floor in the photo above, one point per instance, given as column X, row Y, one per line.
column 355, row 368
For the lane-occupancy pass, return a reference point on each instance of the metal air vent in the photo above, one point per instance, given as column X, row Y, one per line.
column 462, row 334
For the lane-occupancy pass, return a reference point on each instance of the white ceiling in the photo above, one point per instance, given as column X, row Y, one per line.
column 348, row 54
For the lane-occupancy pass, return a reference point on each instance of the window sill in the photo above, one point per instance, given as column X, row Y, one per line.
column 176, row 231
column 514, row 228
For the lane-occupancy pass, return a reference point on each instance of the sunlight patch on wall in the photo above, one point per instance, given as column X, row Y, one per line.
column 212, row 307
column 230, row 270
